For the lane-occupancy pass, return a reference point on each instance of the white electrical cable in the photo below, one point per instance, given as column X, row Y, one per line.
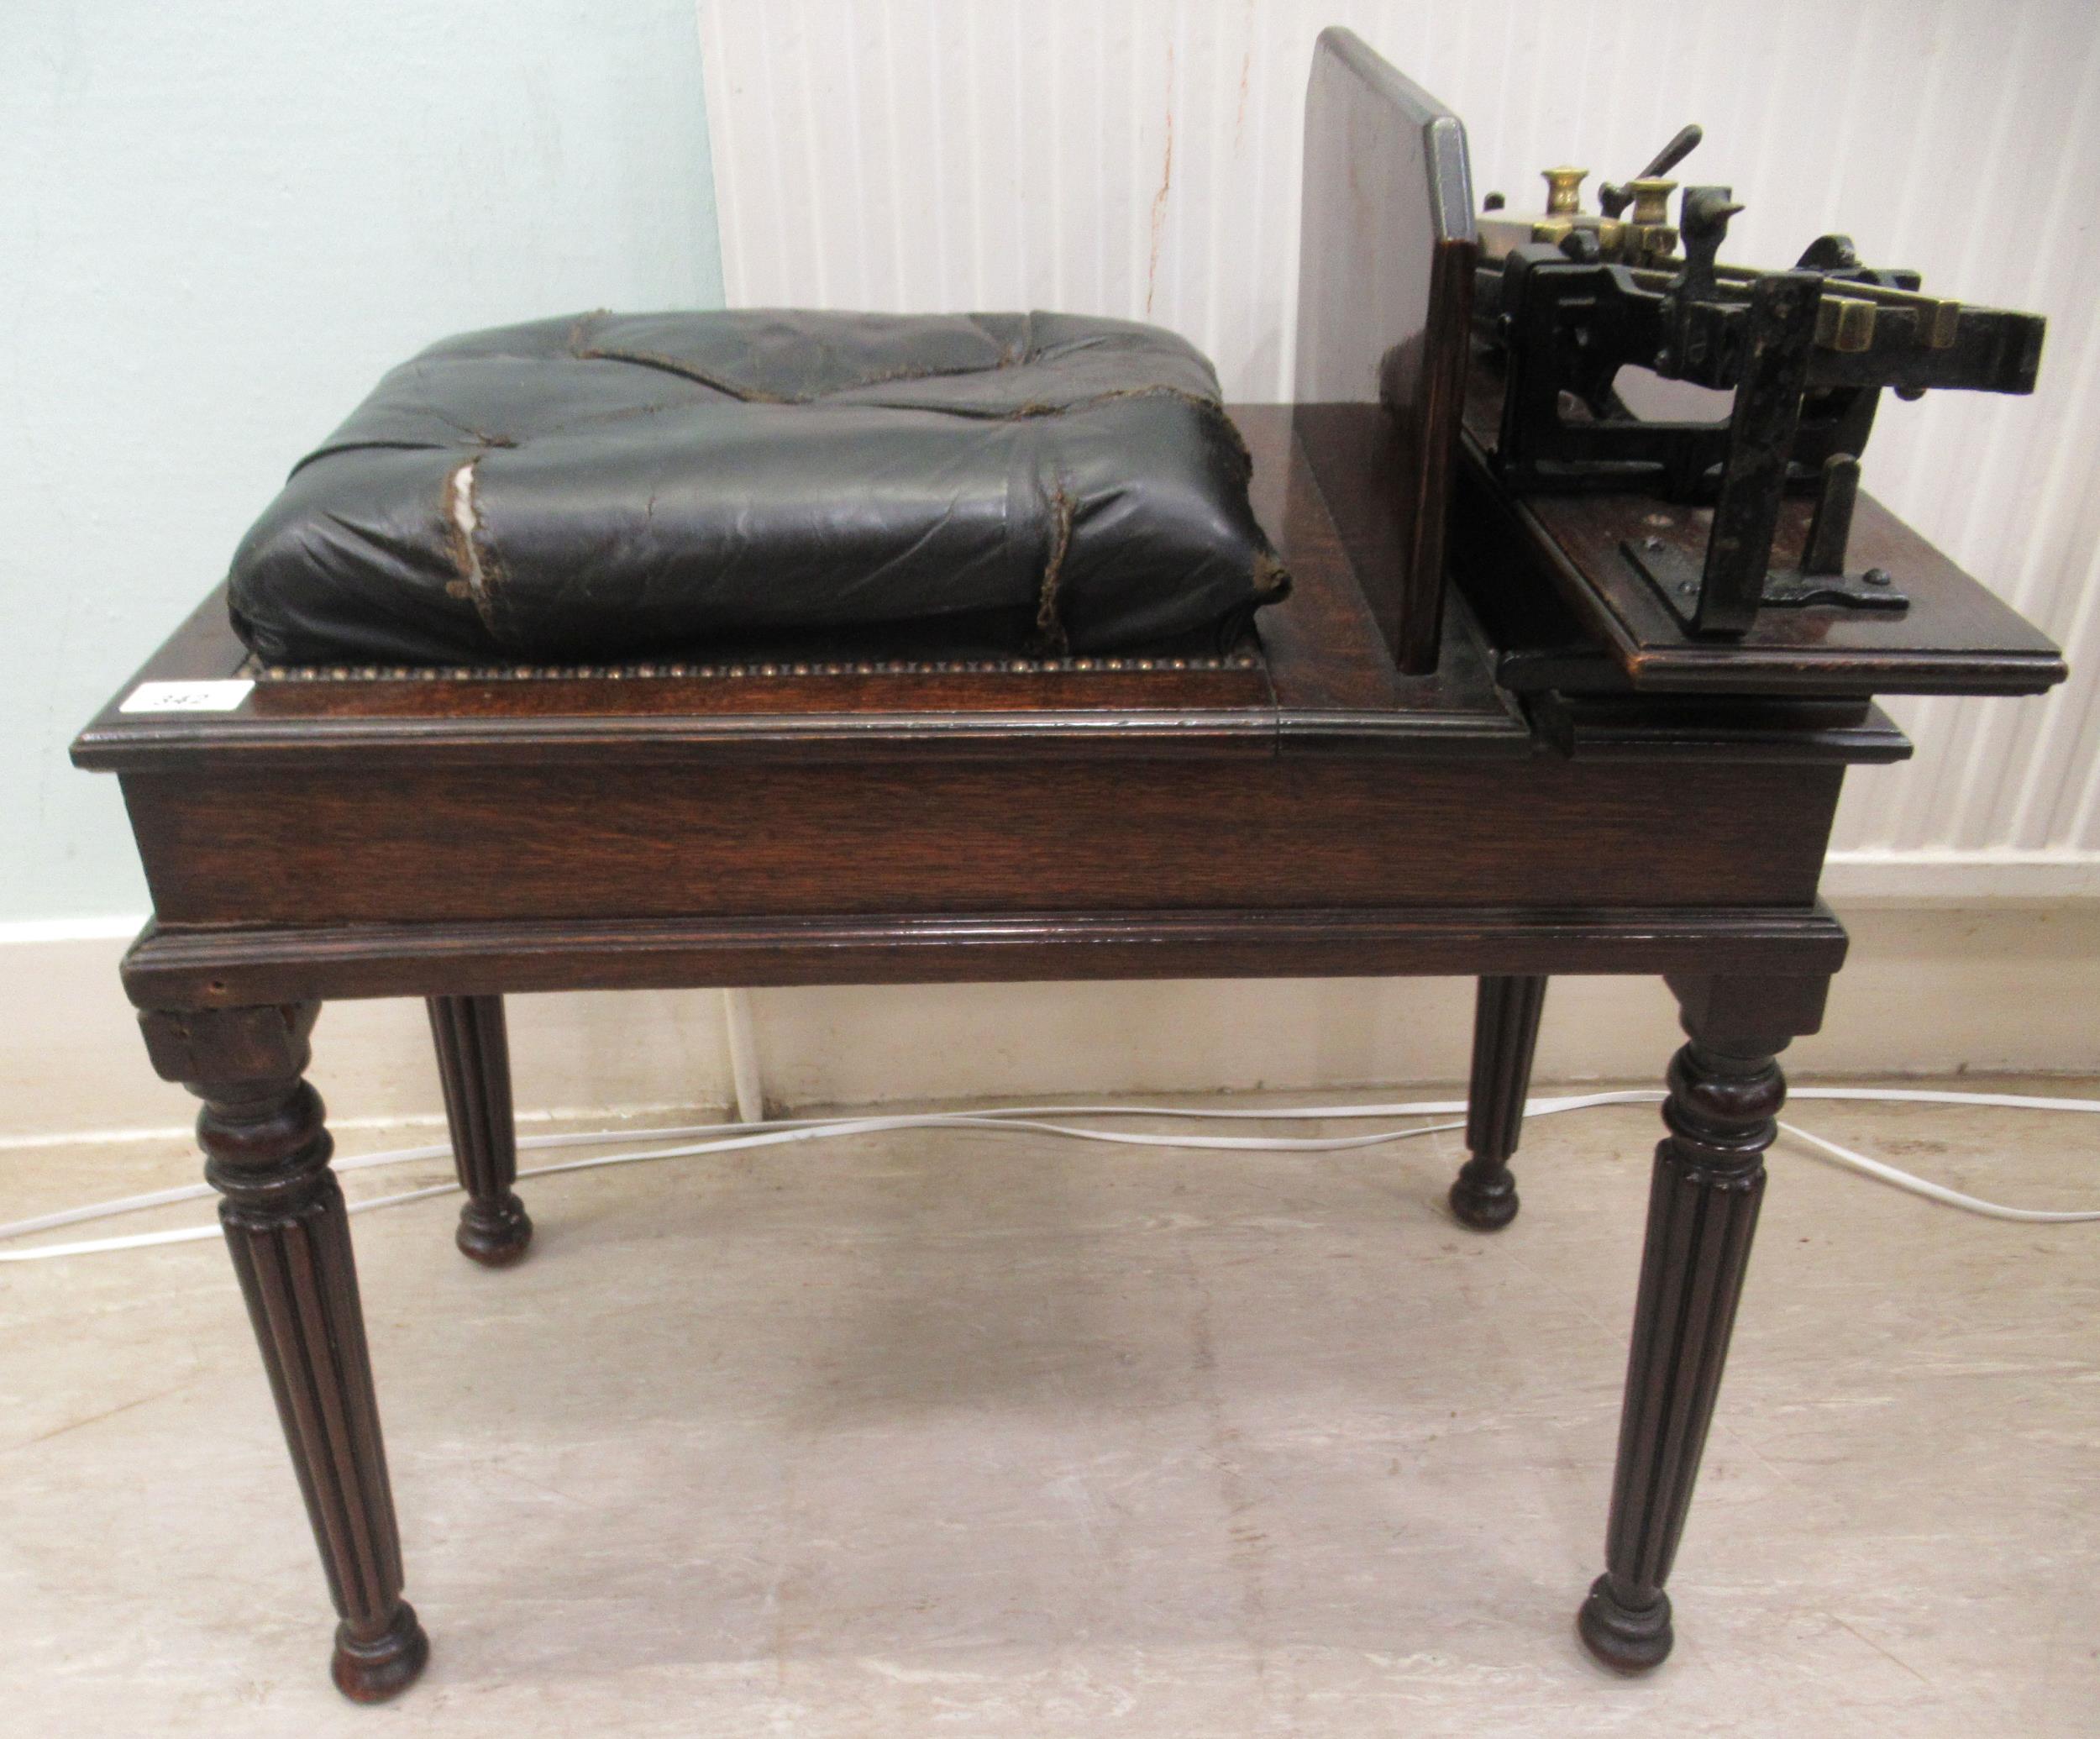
column 772, row 1135
column 1939, row 1192
column 1027, row 1117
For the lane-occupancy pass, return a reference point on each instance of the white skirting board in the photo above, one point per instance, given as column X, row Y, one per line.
column 2003, row 985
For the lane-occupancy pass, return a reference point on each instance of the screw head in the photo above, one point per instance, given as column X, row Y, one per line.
column 1876, row 576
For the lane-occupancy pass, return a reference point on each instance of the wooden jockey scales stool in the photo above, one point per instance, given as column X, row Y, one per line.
column 1521, row 755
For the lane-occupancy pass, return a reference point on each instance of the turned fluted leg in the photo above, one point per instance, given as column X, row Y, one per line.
column 1505, row 1032
column 1725, row 1090
column 266, row 1152
column 473, row 1063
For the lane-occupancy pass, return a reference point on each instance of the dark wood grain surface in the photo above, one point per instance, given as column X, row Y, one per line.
column 183, row 967
column 276, row 846
column 1387, row 248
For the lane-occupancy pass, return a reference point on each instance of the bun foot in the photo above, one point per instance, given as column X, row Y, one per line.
column 473, row 1067
column 495, row 1234
column 1626, row 1639
column 1484, row 1196
column 1505, row 1031
column 371, row 1672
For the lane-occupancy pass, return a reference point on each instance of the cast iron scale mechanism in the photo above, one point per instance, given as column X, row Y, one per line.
column 1565, row 301
column 1502, row 740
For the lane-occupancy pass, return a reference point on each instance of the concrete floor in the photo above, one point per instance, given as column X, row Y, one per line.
column 993, row 1434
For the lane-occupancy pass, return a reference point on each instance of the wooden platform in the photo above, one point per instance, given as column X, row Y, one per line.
column 1315, row 673
column 1294, row 806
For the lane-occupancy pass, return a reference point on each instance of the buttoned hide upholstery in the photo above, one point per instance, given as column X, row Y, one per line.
column 616, row 486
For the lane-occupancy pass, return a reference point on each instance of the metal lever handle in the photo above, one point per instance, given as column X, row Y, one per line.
column 1615, row 196
column 1673, row 153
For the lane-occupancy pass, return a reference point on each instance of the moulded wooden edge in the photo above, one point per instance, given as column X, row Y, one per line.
column 1718, row 728
column 177, row 742
column 205, row 967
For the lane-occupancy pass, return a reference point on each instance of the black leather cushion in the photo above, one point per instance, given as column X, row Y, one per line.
column 619, row 486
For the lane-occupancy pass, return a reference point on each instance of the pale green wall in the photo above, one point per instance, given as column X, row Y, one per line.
column 220, row 222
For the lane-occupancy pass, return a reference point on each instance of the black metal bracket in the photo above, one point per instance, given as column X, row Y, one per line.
column 1678, row 576
column 1805, row 354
